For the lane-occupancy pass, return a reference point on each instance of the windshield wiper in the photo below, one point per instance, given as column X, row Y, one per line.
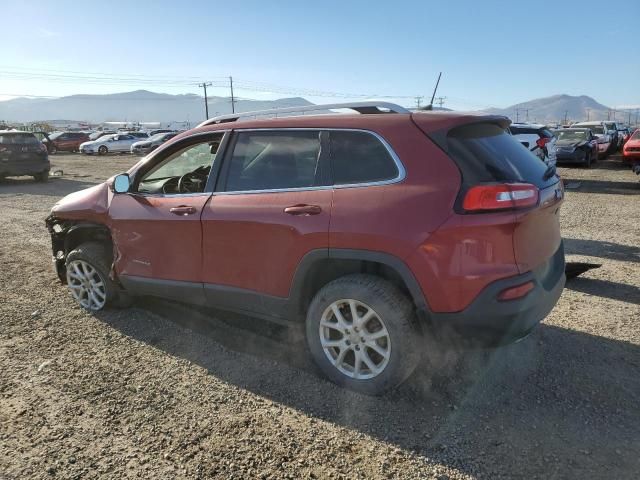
column 549, row 172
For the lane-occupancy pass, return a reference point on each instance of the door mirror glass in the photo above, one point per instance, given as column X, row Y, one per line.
column 121, row 183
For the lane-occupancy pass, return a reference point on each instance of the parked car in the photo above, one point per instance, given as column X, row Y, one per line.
column 631, row 149
column 538, row 139
column 65, row 142
column 119, row 142
column 380, row 232
column 97, row 135
column 145, row 146
column 21, row 153
column 625, row 133
column 603, row 135
column 138, row 135
column 160, row 130
column 576, row 145
column 616, row 140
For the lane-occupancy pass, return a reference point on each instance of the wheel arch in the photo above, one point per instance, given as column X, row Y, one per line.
column 319, row 267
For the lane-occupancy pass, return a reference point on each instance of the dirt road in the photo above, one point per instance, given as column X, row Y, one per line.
column 162, row 391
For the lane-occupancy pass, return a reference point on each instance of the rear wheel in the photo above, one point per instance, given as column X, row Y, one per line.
column 361, row 333
column 41, row 177
column 103, row 150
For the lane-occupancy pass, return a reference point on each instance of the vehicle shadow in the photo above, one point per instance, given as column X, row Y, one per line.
column 563, row 401
column 605, row 186
column 598, row 248
column 605, row 288
column 56, row 186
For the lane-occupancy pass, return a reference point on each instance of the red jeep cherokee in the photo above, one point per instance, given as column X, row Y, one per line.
column 377, row 229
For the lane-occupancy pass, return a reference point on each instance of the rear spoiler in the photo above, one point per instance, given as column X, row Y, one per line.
column 447, row 121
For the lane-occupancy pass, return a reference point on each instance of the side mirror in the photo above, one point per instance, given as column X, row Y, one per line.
column 121, row 183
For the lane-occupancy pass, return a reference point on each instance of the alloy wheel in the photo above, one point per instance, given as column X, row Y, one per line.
column 355, row 339
column 86, row 285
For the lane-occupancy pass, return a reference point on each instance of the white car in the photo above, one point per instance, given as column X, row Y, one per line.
column 538, row 139
column 119, row 142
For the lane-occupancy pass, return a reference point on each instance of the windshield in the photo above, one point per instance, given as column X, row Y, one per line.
column 106, row 137
column 572, row 135
column 157, row 136
column 636, row 135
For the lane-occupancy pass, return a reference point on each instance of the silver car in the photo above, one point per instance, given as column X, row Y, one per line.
column 150, row 144
column 119, row 142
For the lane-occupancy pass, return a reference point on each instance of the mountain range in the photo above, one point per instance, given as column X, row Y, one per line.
column 145, row 106
column 139, row 106
column 554, row 109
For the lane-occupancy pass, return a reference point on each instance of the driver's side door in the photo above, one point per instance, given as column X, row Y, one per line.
column 156, row 227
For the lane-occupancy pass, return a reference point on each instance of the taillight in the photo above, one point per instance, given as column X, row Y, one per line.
column 514, row 293
column 542, row 141
column 503, row 196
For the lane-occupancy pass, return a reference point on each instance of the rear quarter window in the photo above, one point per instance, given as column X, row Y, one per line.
column 18, row 139
column 360, row 157
column 485, row 153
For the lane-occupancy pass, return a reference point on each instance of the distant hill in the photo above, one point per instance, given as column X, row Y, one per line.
column 553, row 109
column 139, row 105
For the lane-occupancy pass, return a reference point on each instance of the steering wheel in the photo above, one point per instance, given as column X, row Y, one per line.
column 191, row 182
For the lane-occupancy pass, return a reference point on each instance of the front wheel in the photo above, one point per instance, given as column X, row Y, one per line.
column 103, row 150
column 361, row 333
column 87, row 271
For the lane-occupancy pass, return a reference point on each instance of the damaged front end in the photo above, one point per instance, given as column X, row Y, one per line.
column 68, row 234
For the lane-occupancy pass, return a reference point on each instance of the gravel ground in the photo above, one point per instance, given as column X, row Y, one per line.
column 163, row 391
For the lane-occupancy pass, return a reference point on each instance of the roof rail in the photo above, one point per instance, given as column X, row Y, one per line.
column 360, row 107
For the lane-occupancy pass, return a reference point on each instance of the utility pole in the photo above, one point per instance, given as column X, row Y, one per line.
column 566, row 112
column 418, row 101
column 206, row 103
column 440, row 101
column 517, row 115
column 233, row 100
column 588, row 113
column 526, row 111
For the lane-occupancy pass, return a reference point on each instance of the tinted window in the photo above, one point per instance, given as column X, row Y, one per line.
column 269, row 160
column 359, row 157
column 18, row 138
column 486, row 153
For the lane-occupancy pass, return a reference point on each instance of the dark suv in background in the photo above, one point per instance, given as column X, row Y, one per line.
column 379, row 232
column 21, row 153
column 65, row 141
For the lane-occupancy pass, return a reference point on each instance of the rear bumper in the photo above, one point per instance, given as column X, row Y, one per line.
column 489, row 322
column 24, row 167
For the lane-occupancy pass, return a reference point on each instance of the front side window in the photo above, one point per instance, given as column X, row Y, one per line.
column 360, row 157
column 268, row 160
column 183, row 171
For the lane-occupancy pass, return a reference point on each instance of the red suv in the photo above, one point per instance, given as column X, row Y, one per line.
column 66, row 142
column 379, row 230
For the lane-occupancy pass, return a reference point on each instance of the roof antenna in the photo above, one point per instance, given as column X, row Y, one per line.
column 430, row 106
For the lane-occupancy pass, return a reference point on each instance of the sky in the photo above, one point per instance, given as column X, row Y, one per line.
column 491, row 53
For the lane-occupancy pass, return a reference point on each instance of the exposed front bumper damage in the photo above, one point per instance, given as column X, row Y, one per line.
column 58, row 230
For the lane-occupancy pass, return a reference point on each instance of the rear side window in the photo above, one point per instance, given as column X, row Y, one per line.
column 267, row 160
column 360, row 157
column 18, row 139
column 485, row 153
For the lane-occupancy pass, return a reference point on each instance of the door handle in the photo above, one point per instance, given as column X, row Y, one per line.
column 303, row 210
column 183, row 210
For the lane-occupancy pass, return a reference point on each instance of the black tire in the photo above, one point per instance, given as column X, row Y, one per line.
column 41, row 177
column 103, row 150
column 99, row 257
column 587, row 160
column 395, row 311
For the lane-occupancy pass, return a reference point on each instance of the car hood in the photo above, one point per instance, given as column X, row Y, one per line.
column 632, row 143
column 142, row 143
column 570, row 143
column 90, row 204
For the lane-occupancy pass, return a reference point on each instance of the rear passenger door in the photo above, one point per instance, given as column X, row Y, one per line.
column 271, row 206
